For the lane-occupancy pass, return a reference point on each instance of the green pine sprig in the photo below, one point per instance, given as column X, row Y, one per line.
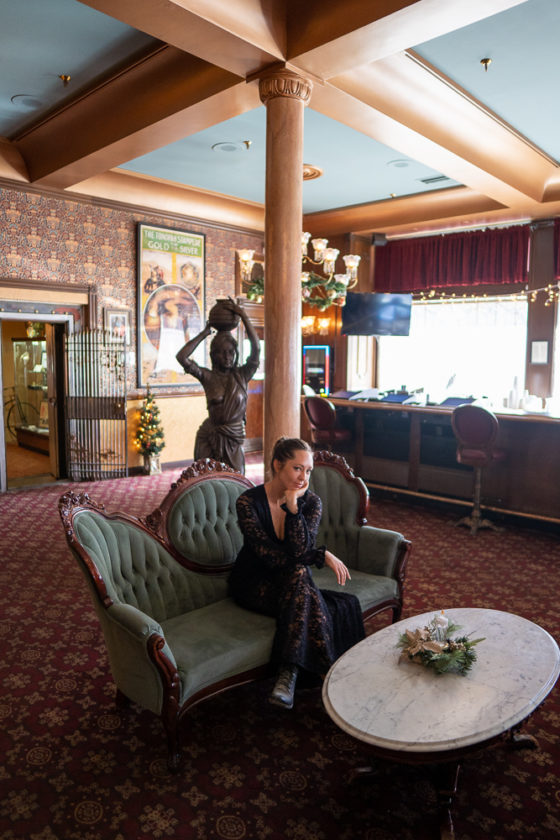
column 441, row 655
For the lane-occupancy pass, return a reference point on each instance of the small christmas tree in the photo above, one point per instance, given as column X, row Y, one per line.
column 149, row 437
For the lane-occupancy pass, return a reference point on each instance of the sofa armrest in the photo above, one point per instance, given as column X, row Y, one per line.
column 131, row 637
column 133, row 620
column 382, row 552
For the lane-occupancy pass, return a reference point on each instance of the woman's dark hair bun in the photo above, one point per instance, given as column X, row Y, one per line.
column 286, row 447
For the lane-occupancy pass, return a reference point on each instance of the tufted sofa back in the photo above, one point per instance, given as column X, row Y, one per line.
column 137, row 569
column 202, row 522
column 339, row 529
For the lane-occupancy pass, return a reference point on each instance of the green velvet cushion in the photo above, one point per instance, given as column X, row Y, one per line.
column 137, row 570
column 217, row 642
column 370, row 590
column 202, row 524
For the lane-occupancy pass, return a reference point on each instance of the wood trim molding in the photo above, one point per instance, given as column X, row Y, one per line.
column 130, row 207
column 39, row 291
column 41, row 285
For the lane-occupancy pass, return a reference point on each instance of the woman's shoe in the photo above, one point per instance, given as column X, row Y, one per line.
column 283, row 691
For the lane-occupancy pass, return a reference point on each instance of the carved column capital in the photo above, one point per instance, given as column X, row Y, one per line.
column 283, row 82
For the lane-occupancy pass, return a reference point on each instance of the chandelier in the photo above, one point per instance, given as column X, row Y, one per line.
column 320, row 290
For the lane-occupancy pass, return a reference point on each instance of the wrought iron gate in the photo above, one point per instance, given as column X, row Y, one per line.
column 96, row 432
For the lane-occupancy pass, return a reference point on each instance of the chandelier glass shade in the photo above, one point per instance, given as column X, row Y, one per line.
column 319, row 290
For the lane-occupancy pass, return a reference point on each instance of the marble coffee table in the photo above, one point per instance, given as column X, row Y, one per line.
column 406, row 712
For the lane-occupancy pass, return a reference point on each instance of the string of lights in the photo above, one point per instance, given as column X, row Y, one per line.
column 551, row 292
column 149, row 438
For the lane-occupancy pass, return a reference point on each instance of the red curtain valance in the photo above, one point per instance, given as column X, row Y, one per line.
column 472, row 258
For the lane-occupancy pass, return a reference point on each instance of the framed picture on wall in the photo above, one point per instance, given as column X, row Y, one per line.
column 117, row 323
column 171, row 296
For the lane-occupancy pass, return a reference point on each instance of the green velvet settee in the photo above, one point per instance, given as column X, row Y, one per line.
column 159, row 584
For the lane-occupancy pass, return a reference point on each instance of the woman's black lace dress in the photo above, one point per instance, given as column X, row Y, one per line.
column 272, row 576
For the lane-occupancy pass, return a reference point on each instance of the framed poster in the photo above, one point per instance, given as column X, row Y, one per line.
column 171, row 292
column 117, row 323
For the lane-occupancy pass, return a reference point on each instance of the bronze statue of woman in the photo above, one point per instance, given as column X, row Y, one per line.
column 222, row 434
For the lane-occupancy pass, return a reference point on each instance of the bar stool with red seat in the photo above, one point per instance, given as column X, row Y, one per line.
column 321, row 415
column 476, row 430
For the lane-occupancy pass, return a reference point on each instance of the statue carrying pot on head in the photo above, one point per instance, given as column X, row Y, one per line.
column 222, row 434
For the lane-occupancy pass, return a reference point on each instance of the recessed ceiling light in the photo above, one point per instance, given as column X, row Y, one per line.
column 310, row 172
column 26, row 101
column 400, row 163
column 232, row 146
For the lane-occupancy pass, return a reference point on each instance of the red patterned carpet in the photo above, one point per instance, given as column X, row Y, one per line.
column 77, row 768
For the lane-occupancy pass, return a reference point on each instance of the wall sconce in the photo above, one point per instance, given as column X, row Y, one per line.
column 246, row 263
column 308, row 324
column 323, row 325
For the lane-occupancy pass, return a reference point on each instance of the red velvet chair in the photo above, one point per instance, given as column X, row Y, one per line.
column 476, row 430
column 325, row 433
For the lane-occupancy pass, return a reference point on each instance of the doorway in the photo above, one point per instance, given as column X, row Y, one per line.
column 31, row 381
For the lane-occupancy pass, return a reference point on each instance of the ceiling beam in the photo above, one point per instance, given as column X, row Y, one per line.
column 373, row 86
column 461, row 139
column 418, row 145
column 160, row 99
column 12, row 165
column 456, row 208
column 412, row 213
column 328, row 37
column 241, row 37
column 160, row 196
column 322, row 38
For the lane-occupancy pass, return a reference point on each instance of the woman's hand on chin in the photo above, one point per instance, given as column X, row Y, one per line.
column 292, row 495
column 338, row 567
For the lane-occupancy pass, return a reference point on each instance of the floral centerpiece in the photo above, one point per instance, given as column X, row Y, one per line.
column 433, row 647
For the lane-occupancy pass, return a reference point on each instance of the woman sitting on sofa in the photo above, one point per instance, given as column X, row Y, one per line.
column 279, row 521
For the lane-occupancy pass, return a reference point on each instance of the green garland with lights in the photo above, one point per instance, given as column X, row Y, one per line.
column 149, row 436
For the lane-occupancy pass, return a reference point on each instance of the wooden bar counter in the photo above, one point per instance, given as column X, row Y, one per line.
column 412, row 449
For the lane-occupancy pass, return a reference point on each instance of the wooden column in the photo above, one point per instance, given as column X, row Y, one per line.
column 285, row 95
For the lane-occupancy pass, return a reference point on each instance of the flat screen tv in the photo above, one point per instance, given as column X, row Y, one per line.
column 376, row 313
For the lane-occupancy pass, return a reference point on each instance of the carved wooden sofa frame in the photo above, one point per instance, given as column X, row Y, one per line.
column 159, row 584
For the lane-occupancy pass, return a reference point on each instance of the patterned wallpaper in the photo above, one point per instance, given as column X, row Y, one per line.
column 66, row 241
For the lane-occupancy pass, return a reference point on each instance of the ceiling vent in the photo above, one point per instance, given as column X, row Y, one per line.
column 435, row 179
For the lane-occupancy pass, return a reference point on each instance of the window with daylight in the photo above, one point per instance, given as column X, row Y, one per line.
column 459, row 348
